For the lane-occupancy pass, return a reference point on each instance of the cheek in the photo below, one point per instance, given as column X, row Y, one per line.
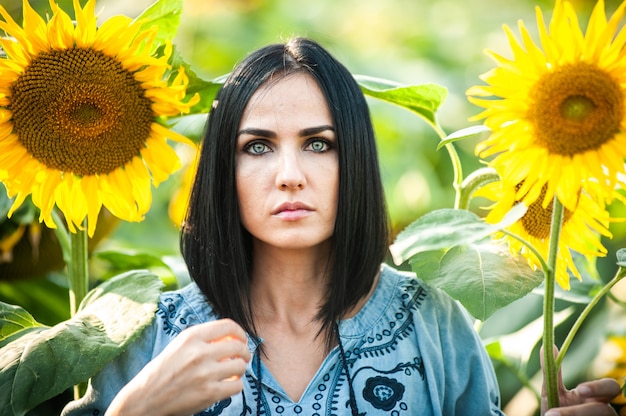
column 249, row 194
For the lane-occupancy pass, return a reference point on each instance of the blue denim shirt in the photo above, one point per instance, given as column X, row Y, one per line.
column 411, row 350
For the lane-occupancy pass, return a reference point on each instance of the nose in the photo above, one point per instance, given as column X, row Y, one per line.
column 290, row 173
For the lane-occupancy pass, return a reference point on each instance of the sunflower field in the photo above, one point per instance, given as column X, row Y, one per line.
column 501, row 132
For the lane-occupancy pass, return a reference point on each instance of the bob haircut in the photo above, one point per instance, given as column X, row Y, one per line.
column 216, row 247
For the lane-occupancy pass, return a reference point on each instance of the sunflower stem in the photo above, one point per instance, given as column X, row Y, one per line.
column 457, row 167
column 474, row 180
column 550, row 367
column 581, row 318
column 77, row 268
column 62, row 236
column 78, row 277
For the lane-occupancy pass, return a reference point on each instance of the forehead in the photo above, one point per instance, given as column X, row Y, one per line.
column 295, row 97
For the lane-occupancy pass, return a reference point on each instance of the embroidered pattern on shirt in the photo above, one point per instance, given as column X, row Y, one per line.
column 380, row 385
column 167, row 310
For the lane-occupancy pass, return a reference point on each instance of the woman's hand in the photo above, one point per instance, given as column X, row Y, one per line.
column 201, row 366
column 590, row 398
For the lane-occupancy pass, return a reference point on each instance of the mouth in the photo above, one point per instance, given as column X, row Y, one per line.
column 292, row 211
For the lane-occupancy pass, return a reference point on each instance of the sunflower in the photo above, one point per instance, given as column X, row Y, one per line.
column 556, row 112
column 580, row 232
column 81, row 114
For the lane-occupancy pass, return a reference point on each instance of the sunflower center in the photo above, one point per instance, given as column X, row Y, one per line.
column 78, row 110
column 577, row 108
column 537, row 220
column 86, row 114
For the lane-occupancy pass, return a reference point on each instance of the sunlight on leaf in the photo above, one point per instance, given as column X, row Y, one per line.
column 422, row 99
column 446, row 228
column 164, row 14
column 43, row 364
column 484, row 276
column 13, row 321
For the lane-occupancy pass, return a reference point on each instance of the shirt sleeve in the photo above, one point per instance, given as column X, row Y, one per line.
column 467, row 381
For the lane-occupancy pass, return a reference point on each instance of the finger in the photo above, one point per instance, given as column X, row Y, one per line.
column 587, row 409
column 602, row 390
column 228, row 348
column 230, row 370
column 222, row 328
column 224, row 389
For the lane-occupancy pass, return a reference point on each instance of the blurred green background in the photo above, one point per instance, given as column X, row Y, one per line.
column 408, row 41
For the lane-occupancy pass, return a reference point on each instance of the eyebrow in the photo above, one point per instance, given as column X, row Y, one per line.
column 309, row 131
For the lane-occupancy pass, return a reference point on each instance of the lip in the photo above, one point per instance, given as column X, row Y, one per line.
column 292, row 211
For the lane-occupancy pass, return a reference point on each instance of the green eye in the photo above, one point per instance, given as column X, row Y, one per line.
column 257, row 148
column 319, row 146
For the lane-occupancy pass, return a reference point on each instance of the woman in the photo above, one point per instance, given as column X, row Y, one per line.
column 291, row 311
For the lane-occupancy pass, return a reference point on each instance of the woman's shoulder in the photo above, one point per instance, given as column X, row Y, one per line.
column 400, row 298
column 182, row 308
column 406, row 291
column 406, row 284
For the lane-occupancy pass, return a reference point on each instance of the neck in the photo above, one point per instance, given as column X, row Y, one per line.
column 289, row 285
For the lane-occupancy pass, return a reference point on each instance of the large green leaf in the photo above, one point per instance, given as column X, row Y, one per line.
column 422, row 99
column 165, row 14
column 484, row 276
column 445, row 228
column 42, row 364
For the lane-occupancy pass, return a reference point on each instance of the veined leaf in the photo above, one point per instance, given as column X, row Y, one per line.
column 422, row 99
column 484, row 276
column 165, row 14
column 446, row 228
column 13, row 321
column 463, row 134
column 42, row 364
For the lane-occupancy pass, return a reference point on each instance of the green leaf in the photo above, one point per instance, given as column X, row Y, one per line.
column 131, row 259
column 621, row 257
column 445, row 228
column 191, row 126
column 422, row 99
column 43, row 364
column 484, row 276
column 580, row 292
column 463, row 134
column 515, row 348
column 25, row 214
column 13, row 320
column 122, row 261
column 165, row 14
column 5, row 203
column 207, row 90
column 45, row 299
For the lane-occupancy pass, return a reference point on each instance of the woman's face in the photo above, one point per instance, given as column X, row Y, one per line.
column 287, row 169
